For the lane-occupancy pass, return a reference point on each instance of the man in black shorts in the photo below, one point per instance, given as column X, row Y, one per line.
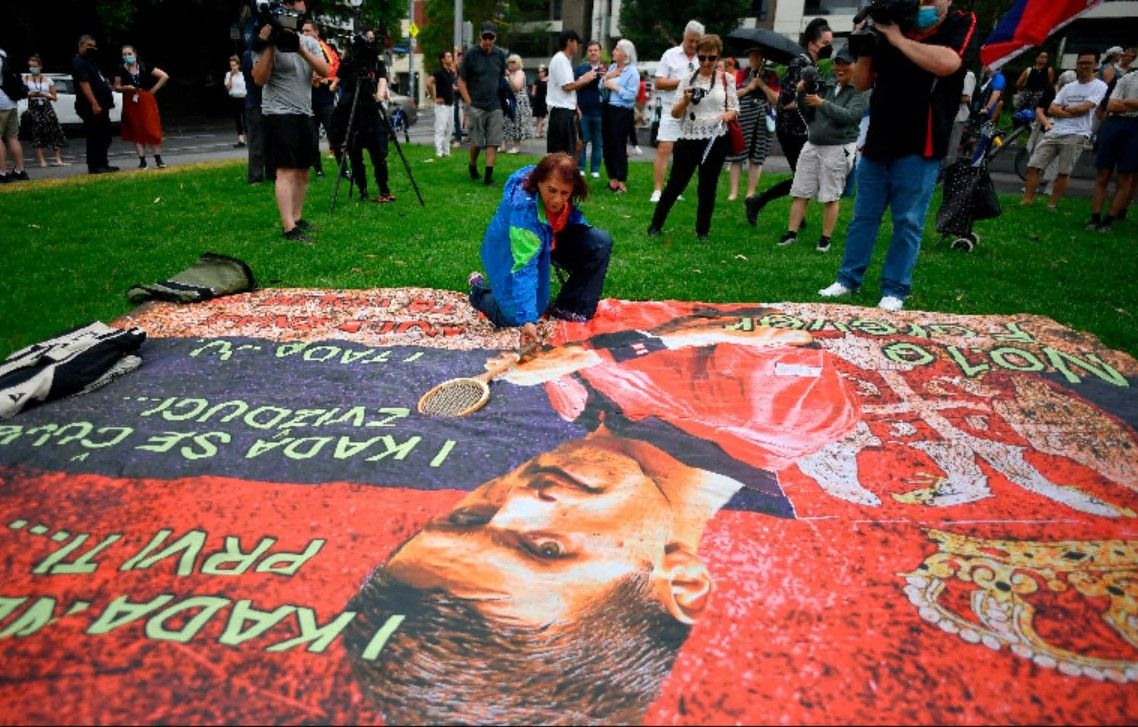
column 286, row 107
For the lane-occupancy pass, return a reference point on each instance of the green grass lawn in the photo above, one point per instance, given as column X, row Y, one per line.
column 71, row 248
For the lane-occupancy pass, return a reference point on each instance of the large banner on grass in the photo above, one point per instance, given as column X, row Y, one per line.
column 676, row 513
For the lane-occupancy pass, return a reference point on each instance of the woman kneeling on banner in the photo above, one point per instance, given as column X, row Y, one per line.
column 538, row 225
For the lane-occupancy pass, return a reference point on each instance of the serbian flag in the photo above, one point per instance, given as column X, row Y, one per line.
column 1028, row 24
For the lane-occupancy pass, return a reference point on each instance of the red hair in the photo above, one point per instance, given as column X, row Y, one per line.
column 564, row 167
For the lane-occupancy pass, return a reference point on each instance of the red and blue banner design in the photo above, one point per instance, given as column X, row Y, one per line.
column 1027, row 24
column 849, row 518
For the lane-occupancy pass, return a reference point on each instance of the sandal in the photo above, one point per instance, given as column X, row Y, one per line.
column 383, row 198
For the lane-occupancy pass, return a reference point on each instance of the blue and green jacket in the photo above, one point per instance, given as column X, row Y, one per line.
column 516, row 249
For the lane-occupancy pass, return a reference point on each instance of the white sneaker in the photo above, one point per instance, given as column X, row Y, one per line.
column 636, row 150
column 582, row 172
column 890, row 302
column 834, row 290
column 595, row 175
column 655, row 197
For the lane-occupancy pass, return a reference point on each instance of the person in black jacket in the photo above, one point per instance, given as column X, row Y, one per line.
column 93, row 103
column 790, row 126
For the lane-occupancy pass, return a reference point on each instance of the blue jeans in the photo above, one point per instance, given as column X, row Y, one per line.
column 906, row 186
column 590, row 136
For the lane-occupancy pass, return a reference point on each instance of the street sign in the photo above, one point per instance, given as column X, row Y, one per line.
column 414, row 30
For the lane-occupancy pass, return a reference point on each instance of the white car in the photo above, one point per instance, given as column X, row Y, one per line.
column 65, row 105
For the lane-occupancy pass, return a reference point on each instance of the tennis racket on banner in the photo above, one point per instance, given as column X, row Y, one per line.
column 466, row 395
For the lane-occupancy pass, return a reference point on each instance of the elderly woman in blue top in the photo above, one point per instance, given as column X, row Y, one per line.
column 538, row 225
column 622, row 83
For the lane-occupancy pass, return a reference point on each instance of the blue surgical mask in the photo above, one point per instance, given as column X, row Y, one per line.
column 34, row 70
column 128, row 59
column 927, row 17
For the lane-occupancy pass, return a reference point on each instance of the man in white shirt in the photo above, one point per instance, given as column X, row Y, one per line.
column 1073, row 111
column 676, row 64
column 961, row 119
column 561, row 95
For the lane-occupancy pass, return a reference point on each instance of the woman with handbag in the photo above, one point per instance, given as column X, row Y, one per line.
column 705, row 104
column 621, row 83
column 758, row 95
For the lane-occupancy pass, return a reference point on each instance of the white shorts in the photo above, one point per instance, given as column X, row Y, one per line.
column 822, row 171
column 669, row 128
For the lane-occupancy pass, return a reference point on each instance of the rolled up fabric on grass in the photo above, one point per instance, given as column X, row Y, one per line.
column 212, row 276
column 75, row 362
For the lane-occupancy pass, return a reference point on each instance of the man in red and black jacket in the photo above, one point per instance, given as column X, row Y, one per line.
column 916, row 76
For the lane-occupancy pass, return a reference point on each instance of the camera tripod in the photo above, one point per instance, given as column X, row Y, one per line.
column 351, row 137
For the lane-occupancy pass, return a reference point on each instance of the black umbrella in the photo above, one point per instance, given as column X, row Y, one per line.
column 776, row 47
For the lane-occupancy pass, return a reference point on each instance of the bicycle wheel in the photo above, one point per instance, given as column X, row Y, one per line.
column 1022, row 155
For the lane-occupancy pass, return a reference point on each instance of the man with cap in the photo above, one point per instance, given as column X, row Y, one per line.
column 833, row 114
column 561, row 95
column 478, row 84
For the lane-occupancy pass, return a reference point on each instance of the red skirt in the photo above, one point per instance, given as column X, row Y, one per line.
column 140, row 121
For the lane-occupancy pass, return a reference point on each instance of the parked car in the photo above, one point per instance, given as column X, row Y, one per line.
column 65, row 105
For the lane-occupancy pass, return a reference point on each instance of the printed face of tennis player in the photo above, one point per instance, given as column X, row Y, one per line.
column 538, row 545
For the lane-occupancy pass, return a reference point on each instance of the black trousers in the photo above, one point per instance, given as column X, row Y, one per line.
column 321, row 116
column 615, row 124
column 561, row 133
column 792, row 149
column 373, row 138
column 583, row 252
column 686, row 156
column 97, row 128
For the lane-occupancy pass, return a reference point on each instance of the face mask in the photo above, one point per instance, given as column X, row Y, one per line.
column 128, row 59
column 34, row 70
column 91, row 54
column 825, row 52
column 927, row 17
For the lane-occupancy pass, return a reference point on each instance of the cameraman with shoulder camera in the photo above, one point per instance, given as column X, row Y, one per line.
column 917, row 75
column 283, row 64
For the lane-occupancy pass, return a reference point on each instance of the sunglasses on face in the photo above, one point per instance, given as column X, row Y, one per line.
column 707, row 59
column 488, row 36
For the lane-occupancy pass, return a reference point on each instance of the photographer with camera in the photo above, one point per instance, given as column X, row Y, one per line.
column 912, row 59
column 283, row 64
column 790, row 125
column 357, row 122
column 831, row 150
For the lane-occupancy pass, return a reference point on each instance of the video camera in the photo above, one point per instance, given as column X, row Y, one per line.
column 284, row 21
column 866, row 41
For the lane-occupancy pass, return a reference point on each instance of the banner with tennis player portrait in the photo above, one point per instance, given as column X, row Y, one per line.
column 674, row 513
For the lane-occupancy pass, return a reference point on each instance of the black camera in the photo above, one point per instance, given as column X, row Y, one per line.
column 866, row 41
column 811, row 81
column 697, row 94
column 284, row 21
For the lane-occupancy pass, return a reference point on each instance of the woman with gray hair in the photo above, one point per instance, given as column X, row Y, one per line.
column 518, row 129
column 622, row 82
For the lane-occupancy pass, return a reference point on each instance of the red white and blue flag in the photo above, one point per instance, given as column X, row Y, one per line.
column 1027, row 24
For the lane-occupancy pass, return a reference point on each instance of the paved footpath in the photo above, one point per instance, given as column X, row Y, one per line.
column 207, row 141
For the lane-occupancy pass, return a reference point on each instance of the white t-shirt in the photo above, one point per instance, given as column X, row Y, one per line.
column 560, row 73
column 236, row 83
column 968, row 90
column 6, row 104
column 1074, row 94
column 674, row 64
